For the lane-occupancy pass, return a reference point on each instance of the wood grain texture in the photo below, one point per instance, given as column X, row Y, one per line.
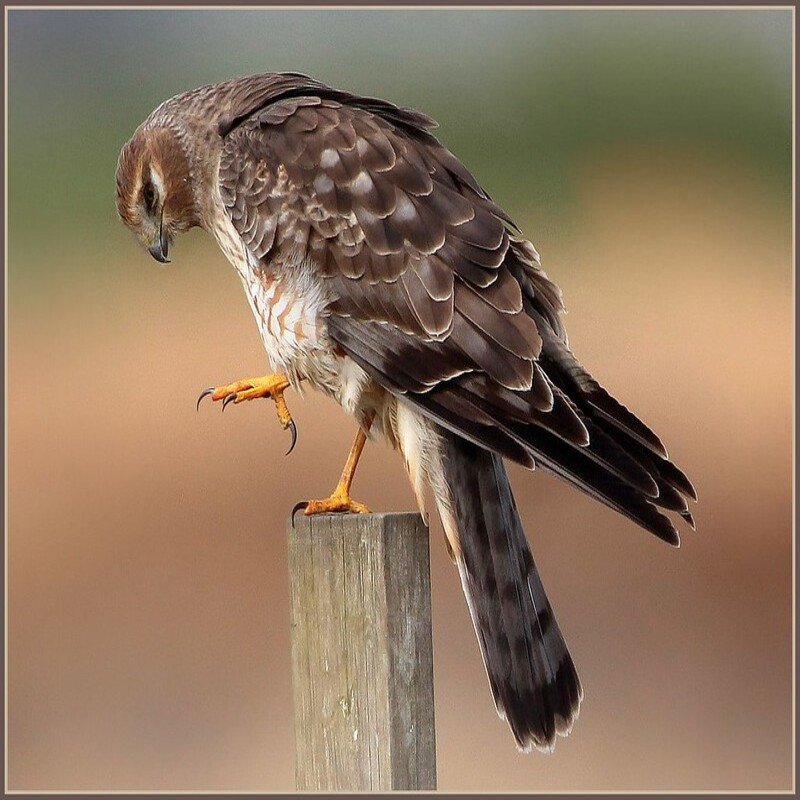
column 362, row 655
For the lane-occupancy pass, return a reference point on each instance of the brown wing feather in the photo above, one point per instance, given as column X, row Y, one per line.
column 433, row 292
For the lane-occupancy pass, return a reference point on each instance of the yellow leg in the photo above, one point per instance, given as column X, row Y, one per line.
column 249, row 389
column 340, row 501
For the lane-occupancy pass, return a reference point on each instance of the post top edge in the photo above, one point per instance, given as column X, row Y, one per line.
column 379, row 515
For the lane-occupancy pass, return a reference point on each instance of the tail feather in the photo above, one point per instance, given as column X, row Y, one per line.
column 531, row 673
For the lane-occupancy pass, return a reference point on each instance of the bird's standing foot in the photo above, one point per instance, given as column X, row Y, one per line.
column 340, row 501
column 249, row 389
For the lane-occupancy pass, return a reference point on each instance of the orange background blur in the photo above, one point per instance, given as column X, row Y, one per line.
column 148, row 591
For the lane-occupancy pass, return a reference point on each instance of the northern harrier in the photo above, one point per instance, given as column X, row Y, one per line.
column 381, row 273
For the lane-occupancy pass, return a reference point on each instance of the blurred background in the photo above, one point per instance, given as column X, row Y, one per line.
column 647, row 154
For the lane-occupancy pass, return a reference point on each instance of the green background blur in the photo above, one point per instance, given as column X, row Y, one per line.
column 647, row 154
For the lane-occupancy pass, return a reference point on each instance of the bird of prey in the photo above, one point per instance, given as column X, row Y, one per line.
column 381, row 273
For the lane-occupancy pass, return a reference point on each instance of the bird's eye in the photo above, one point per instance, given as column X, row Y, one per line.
column 149, row 195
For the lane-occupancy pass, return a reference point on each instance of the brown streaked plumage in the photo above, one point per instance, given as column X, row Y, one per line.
column 381, row 273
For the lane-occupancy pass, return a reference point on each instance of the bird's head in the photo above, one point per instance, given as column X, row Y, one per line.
column 155, row 195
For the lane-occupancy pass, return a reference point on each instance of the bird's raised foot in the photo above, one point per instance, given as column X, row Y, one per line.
column 251, row 388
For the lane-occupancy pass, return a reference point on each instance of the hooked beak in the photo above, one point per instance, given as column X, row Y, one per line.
column 160, row 246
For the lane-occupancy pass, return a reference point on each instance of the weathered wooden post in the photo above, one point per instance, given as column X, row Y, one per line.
column 362, row 655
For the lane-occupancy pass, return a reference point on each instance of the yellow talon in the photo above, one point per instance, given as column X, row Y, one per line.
column 338, row 503
column 251, row 388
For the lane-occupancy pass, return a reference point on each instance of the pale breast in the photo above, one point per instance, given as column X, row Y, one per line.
column 289, row 302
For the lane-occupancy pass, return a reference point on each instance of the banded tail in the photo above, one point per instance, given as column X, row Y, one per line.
column 531, row 674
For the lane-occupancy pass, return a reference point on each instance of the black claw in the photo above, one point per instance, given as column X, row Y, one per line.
column 297, row 507
column 293, row 428
column 204, row 393
column 229, row 399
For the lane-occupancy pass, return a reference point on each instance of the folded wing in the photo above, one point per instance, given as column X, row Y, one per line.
column 434, row 293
